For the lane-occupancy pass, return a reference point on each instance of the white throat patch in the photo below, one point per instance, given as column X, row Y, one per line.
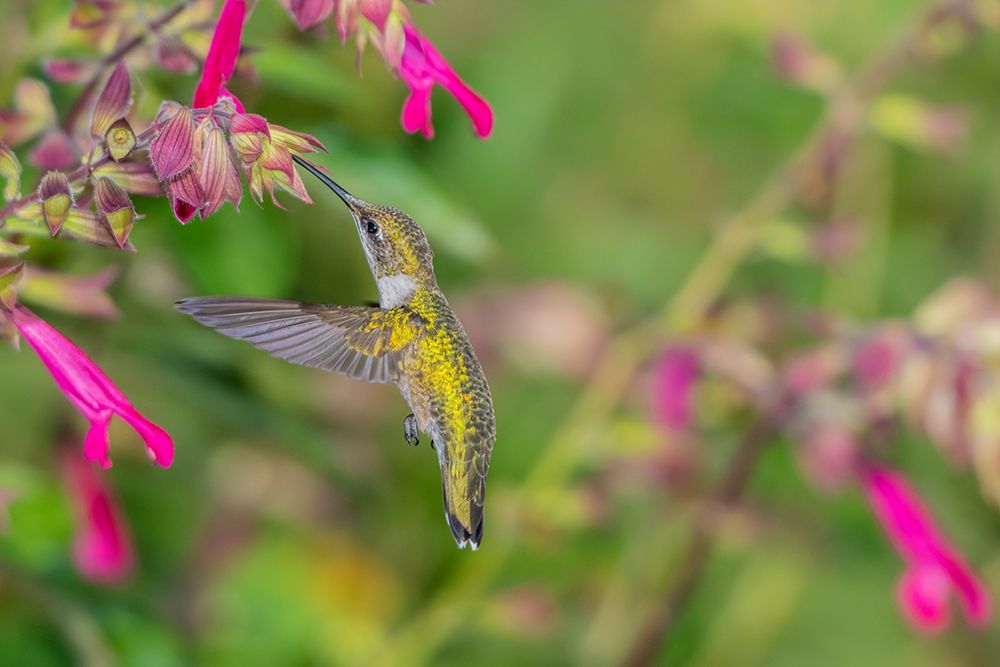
column 395, row 290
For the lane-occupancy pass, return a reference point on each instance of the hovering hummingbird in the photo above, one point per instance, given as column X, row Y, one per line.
column 413, row 339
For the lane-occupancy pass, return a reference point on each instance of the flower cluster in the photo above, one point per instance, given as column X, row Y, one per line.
column 102, row 152
column 198, row 153
column 88, row 176
column 933, row 372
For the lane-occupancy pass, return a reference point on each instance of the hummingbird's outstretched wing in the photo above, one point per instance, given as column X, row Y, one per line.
column 363, row 343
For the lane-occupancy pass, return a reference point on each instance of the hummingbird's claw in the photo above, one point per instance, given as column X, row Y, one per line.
column 410, row 431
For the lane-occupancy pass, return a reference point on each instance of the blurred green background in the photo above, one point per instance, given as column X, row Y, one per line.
column 297, row 528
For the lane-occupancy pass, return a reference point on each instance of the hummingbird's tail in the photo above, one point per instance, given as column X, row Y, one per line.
column 463, row 508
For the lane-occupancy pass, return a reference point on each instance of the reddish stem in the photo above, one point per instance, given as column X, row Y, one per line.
column 696, row 556
column 83, row 100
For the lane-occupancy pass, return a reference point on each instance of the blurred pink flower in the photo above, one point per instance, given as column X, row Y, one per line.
column 223, row 53
column 102, row 547
column 933, row 568
column 806, row 372
column 674, row 376
column 89, row 389
column 308, row 13
column 877, row 359
column 55, row 151
column 420, row 67
column 828, row 455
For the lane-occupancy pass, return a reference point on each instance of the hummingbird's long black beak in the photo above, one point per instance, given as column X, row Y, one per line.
column 347, row 197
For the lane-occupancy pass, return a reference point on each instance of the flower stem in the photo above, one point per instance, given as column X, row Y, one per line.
column 78, row 629
column 695, row 558
column 83, row 99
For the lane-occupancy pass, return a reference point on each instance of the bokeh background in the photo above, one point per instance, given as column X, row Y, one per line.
column 297, row 528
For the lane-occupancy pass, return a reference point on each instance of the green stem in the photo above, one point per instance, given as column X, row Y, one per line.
column 82, row 634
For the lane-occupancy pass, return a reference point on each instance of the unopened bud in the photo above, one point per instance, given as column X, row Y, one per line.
column 9, row 277
column 113, row 103
column 116, row 208
column 120, row 139
column 247, row 134
column 57, row 198
column 10, row 169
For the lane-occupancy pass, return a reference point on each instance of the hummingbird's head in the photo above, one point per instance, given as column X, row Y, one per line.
column 397, row 250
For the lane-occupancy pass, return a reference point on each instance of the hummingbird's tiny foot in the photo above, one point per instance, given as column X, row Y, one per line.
column 410, row 431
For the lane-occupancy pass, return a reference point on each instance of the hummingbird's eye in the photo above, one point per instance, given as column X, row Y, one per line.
column 372, row 227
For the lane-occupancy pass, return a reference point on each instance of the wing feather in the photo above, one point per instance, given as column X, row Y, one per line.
column 353, row 340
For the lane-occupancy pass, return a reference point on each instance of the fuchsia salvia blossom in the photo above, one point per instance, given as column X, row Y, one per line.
column 421, row 67
column 674, row 375
column 102, row 546
column 934, row 570
column 223, row 53
column 89, row 389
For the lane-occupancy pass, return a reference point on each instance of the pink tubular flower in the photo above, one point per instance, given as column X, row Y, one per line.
column 933, row 568
column 89, row 389
column 102, row 547
column 674, row 375
column 420, row 67
column 223, row 53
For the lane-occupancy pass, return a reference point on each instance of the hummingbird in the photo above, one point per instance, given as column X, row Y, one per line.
column 412, row 338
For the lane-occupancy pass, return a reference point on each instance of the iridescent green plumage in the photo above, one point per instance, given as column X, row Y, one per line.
column 413, row 339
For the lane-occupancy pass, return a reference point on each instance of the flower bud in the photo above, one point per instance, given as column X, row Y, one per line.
column 85, row 226
column 8, row 249
column 54, row 151
column 247, row 134
column 84, row 296
column 308, row 13
column 57, row 198
column 186, row 195
column 135, row 177
column 173, row 150
column 10, row 276
column 32, row 113
column 116, row 209
column 120, row 139
column 219, row 178
column 174, row 56
column 10, row 170
column 113, row 103
column 67, row 70
column 376, row 11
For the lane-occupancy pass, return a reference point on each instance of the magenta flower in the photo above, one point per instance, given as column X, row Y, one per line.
column 89, row 389
column 933, row 568
column 420, row 67
column 223, row 53
column 674, row 375
column 102, row 547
